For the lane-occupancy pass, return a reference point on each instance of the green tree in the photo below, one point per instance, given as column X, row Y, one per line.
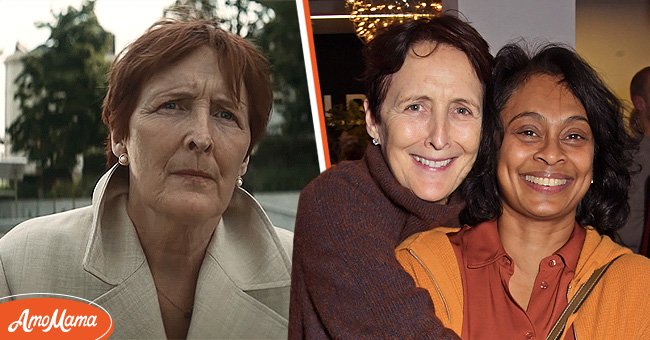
column 281, row 42
column 279, row 38
column 278, row 35
column 60, row 91
column 242, row 17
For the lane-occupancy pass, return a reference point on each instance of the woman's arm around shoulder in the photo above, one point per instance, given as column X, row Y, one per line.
column 346, row 281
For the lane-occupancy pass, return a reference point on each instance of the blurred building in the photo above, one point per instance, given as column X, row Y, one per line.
column 13, row 67
column 12, row 165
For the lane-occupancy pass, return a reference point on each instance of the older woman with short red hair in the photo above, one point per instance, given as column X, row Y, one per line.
column 171, row 246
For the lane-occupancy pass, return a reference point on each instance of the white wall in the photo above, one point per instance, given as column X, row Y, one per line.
column 614, row 37
column 503, row 21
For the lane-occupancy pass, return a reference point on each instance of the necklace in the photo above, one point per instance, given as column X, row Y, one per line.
column 187, row 313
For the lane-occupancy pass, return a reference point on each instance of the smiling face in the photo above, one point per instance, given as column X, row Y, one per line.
column 545, row 161
column 188, row 141
column 431, row 121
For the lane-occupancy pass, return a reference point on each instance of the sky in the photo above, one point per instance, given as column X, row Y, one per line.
column 126, row 19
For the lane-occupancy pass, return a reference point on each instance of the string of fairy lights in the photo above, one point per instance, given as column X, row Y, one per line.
column 370, row 15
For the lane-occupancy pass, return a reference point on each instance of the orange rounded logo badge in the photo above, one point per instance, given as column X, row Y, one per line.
column 56, row 316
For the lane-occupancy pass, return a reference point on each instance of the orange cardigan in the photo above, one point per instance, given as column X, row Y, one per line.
column 617, row 308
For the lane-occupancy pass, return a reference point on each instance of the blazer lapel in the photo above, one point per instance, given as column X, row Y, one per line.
column 114, row 255
column 243, row 286
column 223, row 310
column 133, row 305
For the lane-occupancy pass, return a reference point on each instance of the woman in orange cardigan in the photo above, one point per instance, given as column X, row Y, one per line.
column 543, row 220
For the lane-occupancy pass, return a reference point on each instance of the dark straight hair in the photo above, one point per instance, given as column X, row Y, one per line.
column 385, row 55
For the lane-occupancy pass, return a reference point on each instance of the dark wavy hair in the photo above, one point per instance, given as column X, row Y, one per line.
column 385, row 55
column 605, row 204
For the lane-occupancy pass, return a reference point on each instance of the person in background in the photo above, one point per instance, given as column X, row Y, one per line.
column 171, row 246
column 632, row 232
column 541, row 221
column 426, row 113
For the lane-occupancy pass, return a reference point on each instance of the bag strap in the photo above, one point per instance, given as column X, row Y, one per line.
column 577, row 301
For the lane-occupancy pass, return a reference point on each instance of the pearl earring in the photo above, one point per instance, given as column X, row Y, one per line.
column 123, row 159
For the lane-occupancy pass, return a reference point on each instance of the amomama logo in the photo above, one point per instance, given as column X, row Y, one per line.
column 56, row 316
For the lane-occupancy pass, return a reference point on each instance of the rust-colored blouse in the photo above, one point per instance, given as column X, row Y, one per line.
column 489, row 311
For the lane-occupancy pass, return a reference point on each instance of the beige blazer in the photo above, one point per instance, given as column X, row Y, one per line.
column 94, row 253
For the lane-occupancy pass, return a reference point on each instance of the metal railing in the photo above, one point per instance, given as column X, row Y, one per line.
column 280, row 207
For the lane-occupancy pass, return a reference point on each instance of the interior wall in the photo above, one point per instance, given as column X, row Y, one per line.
column 504, row 21
column 614, row 37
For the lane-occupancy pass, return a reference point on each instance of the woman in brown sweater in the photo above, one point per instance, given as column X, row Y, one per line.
column 426, row 112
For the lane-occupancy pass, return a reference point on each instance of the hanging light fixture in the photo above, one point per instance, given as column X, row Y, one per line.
column 370, row 15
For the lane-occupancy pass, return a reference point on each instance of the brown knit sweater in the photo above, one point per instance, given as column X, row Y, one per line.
column 346, row 282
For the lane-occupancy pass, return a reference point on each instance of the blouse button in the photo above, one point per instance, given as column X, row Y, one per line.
column 552, row 263
column 529, row 335
column 543, row 285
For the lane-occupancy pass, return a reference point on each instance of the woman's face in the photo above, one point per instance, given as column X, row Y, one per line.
column 545, row 162
column 188, row 140
column 431, row 121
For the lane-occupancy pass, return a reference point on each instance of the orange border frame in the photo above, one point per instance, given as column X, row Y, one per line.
column 314, row 71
